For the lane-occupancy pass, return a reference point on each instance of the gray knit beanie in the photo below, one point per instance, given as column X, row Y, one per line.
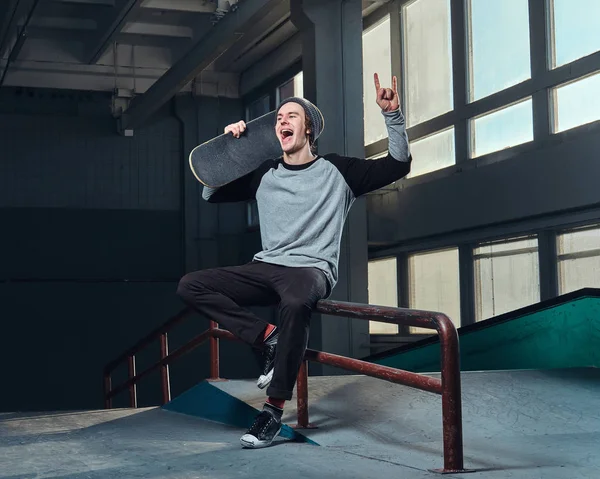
column 312, row 113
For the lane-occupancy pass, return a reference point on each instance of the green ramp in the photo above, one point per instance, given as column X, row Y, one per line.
column 209, row 402
column 560, row 333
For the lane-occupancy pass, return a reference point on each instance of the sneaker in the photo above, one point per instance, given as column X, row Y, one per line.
column 265, row 428
column 268, row 360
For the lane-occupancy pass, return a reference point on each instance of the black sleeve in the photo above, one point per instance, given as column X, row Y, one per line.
column 242, row 189
column 364, row 176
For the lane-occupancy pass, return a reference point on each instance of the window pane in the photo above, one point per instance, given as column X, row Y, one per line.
column 432, row 153
column 257, row 108
column 498, row 45
column 434, row 284
column 376, row 59
column 579, row 259
column 383, row 291
column 252, row 214
column 501, row 129
column 577, row 103
column 576, row 29
column 506, row 277
column 428, row 66
column 293, row 87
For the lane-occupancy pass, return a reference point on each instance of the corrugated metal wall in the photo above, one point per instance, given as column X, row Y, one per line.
column 61, row 151
column 90, row 246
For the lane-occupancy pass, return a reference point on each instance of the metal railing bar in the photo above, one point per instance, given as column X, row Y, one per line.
column 399, row 376
column 384, row 314
column 194, row 343
column 448, row 386
column 151, row 336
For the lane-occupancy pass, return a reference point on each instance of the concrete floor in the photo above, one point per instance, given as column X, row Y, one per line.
column 520, row 424
column 153, row 443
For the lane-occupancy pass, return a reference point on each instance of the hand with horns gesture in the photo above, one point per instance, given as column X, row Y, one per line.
column 387, row 98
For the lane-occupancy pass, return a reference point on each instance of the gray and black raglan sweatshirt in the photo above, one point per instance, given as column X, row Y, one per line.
column 303, row 208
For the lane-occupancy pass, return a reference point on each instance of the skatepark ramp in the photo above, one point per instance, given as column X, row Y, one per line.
column 447, row 384
column 560, row 333
column 517, row 424
column 525, row 422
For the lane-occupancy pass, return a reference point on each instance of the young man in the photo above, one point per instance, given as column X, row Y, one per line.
column 303, row 200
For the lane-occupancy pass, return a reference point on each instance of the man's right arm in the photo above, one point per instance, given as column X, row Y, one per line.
column 242, row 189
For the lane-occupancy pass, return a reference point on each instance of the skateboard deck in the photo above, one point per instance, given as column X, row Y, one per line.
column 225, row 158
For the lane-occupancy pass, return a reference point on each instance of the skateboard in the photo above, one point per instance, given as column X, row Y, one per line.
column 225, row 158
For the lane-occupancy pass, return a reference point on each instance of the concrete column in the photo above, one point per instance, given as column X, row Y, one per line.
column 331, row 33
column 185, row 111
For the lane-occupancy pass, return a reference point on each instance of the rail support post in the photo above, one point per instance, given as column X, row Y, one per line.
column 164, row 370
column 214, row 354
column 451, row 398
column 302, row 396
column 133, row 387
column 107, row 389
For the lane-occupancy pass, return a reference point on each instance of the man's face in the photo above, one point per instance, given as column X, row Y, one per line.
column 291, row 127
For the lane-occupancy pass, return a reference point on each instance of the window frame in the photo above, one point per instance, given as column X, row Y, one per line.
column 546, row 230
column 539, row 87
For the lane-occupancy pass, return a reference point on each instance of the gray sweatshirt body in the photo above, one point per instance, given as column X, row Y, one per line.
column 303, row 208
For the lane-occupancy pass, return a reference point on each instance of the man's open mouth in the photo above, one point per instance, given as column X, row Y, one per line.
column 286, row 133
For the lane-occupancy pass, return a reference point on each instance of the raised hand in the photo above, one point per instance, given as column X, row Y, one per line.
column 387, row 98
column 236, row 129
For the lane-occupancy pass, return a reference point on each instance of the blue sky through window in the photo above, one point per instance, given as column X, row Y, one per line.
column 577, row 29
column 500, row 59
column 500, row 45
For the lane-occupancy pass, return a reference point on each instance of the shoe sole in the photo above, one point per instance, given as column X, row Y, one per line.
column 264, row 381
column 260, row 444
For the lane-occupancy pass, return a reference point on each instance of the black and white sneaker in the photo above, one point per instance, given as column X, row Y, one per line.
column 265, row 428
column 268, row 360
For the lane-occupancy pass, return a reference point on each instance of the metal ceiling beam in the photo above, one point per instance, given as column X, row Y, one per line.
column 21, row 35
column 190, row 6
column 110, row 3
column 124, row 10
column 272, row 21
column 8, row 23
column 136, row 39
column 60, row 34
column 71, row 10
column 228, row 31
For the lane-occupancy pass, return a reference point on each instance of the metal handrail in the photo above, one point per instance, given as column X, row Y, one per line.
column 449, row 386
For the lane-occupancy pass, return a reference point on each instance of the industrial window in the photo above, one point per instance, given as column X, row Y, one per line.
column 502, row 128
column 383, row 291
column 428, row 60
column 257, row 108
column 433, row 152
column 576, row 103
column 498, row 40
column 579, row 259
column 506, row 276
column 376, row 59
column 292, row 87
column 434, row 284
column 575, row 26
column 252, row 218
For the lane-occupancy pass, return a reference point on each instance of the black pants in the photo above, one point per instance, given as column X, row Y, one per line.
column 221, row 294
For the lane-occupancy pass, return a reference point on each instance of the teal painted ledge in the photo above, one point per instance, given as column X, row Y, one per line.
column 211, row 403
column 562, row 333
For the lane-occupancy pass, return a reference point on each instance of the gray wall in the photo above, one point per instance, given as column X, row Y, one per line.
column 560, row 177
column 94, row 241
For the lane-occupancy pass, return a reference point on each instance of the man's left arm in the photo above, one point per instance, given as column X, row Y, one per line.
column 363, row 175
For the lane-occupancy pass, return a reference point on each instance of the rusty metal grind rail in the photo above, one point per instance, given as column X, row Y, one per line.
column 448, row 386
